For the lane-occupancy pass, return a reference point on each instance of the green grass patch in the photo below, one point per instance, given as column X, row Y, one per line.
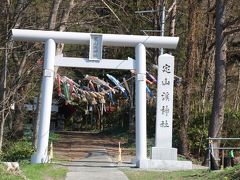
column 232, row 173
column 162, row 175
column 35, row 172
column 43, row 171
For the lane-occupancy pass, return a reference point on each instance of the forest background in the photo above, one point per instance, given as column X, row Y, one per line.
column 207, row 63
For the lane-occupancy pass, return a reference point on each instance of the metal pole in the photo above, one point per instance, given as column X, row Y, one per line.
column 162, row 25
column 141, row 129
column 41, row 156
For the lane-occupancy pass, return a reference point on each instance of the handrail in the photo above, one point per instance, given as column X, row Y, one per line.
column 211, row 148
column 223, row 138
column 227, row 148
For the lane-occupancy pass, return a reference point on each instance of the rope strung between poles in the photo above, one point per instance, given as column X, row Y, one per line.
column 95, row 91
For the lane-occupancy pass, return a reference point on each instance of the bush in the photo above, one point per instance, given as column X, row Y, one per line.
column 53, row 137
column 17, row 151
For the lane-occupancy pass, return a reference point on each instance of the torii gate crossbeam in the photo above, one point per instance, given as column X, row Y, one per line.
column 118, row 40
column 50, row 60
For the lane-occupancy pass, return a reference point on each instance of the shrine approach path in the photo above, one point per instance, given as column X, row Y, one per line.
column 90, row 156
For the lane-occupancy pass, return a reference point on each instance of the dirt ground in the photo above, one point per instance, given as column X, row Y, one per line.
column 73, row 146
column 77, row 145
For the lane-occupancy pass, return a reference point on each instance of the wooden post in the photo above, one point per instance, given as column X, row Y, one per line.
column 222, row 167
column 119, row 153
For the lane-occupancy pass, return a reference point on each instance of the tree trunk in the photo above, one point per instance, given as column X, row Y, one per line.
column 63, row 25
column 3, row 82
column 236, row 99
column 18, row 123
column 189, row 75
column 217, row 117
column 173, row 18
column 53, row 15
column 17, row 131
column 35, row 123
column 131, row 129
column 3, row 97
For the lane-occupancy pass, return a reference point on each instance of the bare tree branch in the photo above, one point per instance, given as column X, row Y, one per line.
column 231, row 22
column 65, row 16
column 53, row 15
column 232, row 31
column 111, row 10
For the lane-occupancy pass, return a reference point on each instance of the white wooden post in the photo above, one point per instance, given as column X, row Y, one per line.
column 41, row 156
column 141, row 124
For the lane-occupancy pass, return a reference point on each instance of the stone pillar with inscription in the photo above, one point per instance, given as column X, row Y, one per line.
column 163, row 155
column 163, row 141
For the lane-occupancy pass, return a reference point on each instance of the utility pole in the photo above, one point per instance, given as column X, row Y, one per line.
column 162, row 21
column 162, row 14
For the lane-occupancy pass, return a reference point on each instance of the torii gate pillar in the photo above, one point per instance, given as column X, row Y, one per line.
column 41, row 156
column 141, row 124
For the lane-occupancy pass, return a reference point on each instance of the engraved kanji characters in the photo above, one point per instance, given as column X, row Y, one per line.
column 165, row 110
column 166, row 68
column 164, row 124
column 165, row 82
column 165, row 96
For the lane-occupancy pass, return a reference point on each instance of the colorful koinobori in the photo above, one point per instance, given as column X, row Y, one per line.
column 94, row 90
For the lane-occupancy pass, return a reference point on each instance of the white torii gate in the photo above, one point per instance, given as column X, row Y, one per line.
column 50, row 61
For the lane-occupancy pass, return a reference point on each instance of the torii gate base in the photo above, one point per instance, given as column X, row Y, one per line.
column 139, row 43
